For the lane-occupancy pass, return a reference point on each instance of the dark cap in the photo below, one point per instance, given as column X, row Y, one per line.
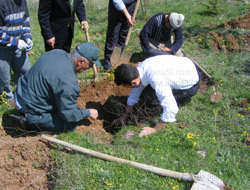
column 89, row 51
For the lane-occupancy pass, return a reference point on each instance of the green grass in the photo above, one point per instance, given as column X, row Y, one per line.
column 220, row 129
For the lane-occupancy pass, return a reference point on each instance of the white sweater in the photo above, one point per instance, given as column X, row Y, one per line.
column 164, row 73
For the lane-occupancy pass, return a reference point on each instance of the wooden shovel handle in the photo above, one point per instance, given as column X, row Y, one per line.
column 87, row 36
column 149, row 168
column 94, row 66
column 133, row 18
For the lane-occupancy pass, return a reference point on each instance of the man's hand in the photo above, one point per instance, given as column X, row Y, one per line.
column 93, row 113
column 51, row 42
column 166, row 49
column 85, row 25
column 129, row 17
column 147, row 131
column 22, row 45
column 30, row 44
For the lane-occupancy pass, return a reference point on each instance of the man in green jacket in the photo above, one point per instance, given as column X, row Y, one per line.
column 47, row 93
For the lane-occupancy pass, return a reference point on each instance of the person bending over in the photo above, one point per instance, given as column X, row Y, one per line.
column 168, row 79
column 47, row 93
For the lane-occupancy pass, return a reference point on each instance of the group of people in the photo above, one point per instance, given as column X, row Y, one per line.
column 46, row 93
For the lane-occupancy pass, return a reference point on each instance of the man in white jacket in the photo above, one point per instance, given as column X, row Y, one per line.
column 119, row 19
column 169, row 79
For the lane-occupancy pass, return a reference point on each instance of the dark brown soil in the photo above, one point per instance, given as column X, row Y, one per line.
column 229, row 42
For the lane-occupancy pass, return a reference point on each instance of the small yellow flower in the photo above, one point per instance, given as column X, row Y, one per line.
column 194, row 143
column 238, row 114
column 244, row 133
column 215, row 112
column 246, row 2
column 190, row 135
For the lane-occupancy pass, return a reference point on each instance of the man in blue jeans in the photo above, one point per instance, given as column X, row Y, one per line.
column 15, row 42
column 47, row 93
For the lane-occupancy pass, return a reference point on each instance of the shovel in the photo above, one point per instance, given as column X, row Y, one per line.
column 123, row 55
column 203, row 181
column 94, row 66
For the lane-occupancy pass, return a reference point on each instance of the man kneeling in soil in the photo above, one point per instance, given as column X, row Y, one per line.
column 47, row 93
column 170, row 80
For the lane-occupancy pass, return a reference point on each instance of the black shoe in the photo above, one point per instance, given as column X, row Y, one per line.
column 107, row 66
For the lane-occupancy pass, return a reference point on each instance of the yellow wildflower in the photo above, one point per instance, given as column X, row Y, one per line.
column 194, row 143
column 190, row 135
column 244, row 133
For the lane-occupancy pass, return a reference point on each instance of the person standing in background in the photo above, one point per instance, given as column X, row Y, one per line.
column 57, row 18
column 119, row 19
column 15, row 42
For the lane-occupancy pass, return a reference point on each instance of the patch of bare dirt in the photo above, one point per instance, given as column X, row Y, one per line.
column 229, row 42
column 242, row 22
column 24, row 163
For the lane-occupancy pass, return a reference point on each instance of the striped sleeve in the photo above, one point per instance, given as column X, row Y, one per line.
column 14, row 24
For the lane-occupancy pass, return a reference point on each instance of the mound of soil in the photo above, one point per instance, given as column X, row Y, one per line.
column 243, row 22
column 229, row 42
column 24, row 163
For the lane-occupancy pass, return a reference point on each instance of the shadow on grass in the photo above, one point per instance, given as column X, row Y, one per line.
column 13, row 127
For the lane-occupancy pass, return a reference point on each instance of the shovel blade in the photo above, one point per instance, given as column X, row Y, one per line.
column 115, row 56
column 120, row 56
column 125, row 56
column 207, row 181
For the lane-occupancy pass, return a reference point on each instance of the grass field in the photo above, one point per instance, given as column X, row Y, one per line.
column 221, row 130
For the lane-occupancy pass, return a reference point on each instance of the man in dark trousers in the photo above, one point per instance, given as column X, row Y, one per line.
column 167, row 80
column 47, row 93
column 57, row 18
column 15, row 42
column 155, row 37
column 119, row 19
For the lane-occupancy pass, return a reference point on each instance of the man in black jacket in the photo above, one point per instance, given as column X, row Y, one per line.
column 155, row 37
column 56, row 18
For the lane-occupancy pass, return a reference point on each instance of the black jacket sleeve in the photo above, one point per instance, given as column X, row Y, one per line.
column 147, row 32
column 178, row 40
column 80, row 11
column 44, row 11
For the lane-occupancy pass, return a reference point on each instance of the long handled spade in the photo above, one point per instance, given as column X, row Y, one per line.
column 203, row 181
column 94, row 66
column 123, row 55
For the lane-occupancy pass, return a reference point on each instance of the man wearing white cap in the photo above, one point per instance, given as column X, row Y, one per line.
column 155, row 37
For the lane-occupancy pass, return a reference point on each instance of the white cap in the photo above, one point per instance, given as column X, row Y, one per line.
column 176, row 20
